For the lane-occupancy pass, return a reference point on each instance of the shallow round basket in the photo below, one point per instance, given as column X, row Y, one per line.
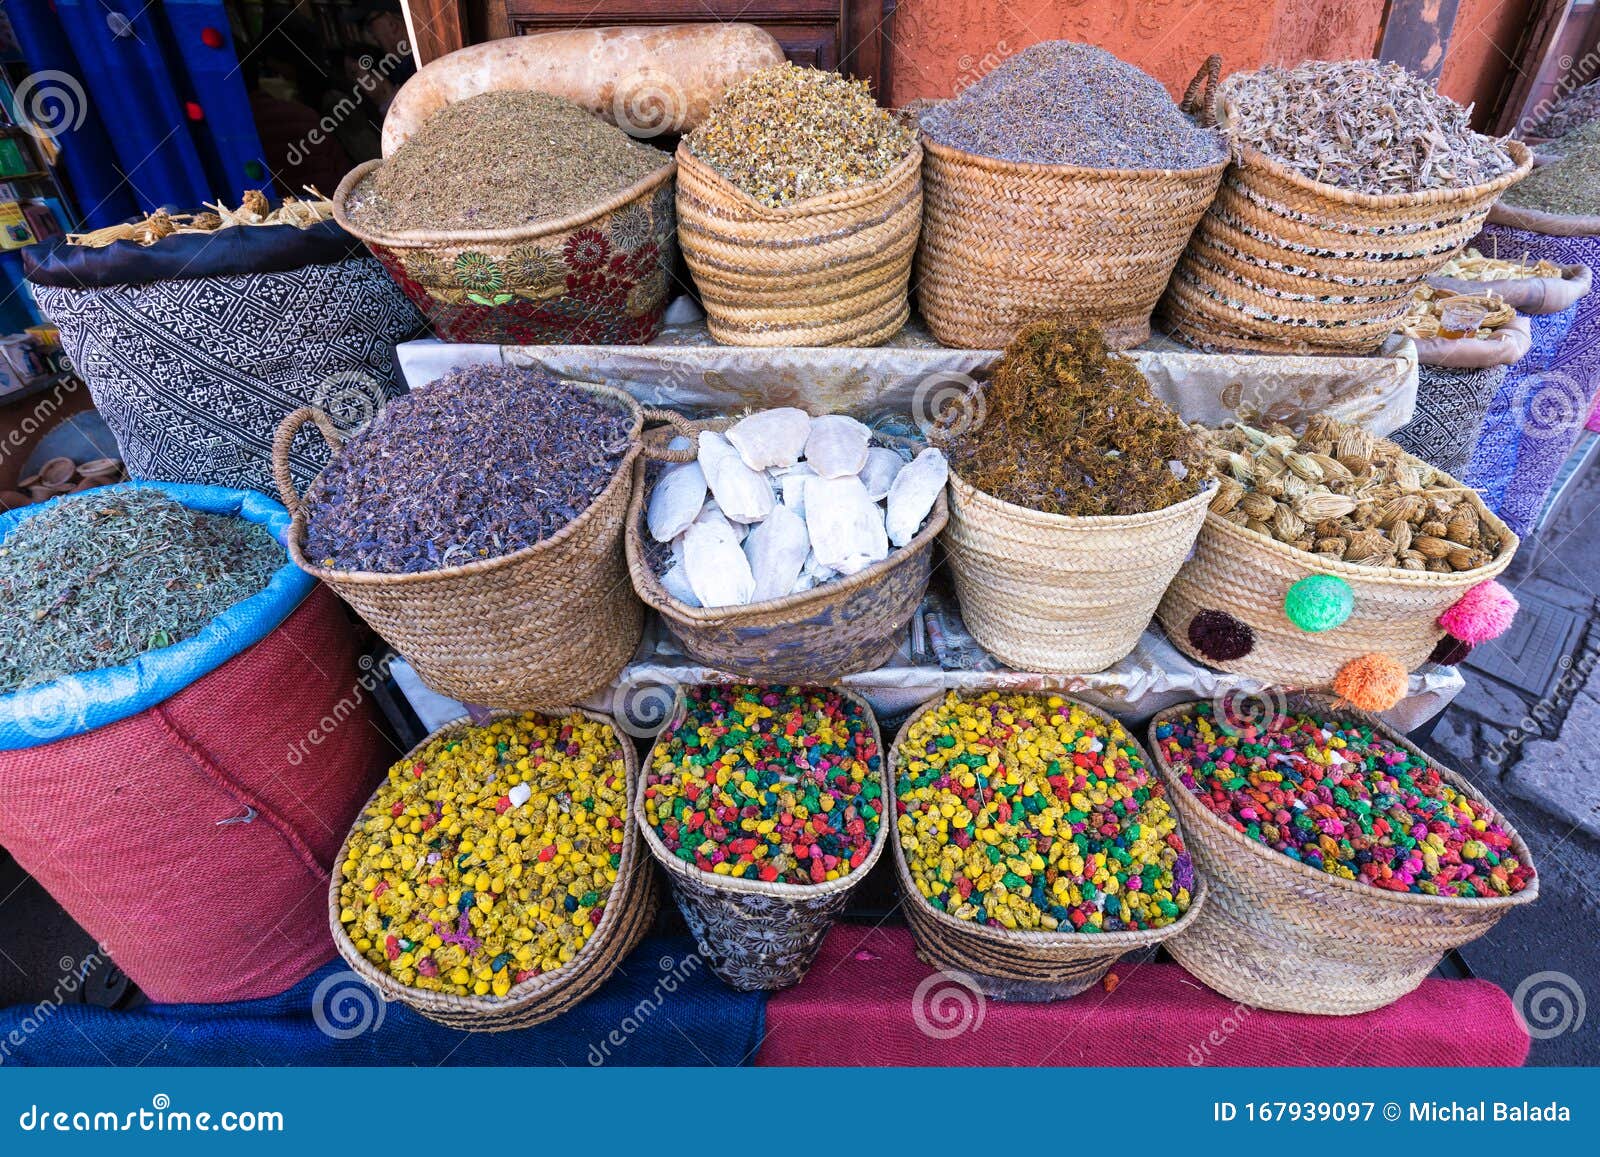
column 1247, row 575
column 1017, row 965
column 1055, row 593
column 757, row 936
column 831, row 270
column 599, row 277
column 1005, row 244
column 1281, row 935
column 630, row 909
column 848, row 625
column 1284, row 264
column 548, row 624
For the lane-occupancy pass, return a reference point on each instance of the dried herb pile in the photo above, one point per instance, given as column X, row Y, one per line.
column 499, row 160
column 1360, row 125
column 1587, row 133
column 483, row 462
column 1577, row 108
column 100, row 578
column 1071, row 427
column 787, row 133
column 1342, row 492
column 1570, row 186
column 1062, row 103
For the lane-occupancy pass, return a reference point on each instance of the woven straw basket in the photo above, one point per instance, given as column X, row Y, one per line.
column 547, row 624
column 1281, row 935
column 1055, row 593
column 1284, row 264
column 598, row 277
column 851, row 624
column 825, row 271
column 630, row 909
column 757, row 936
column 1005, row 244
column 1016, row 965
column 1247, row 575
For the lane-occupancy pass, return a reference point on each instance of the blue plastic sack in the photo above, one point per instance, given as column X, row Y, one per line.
column 84, row 702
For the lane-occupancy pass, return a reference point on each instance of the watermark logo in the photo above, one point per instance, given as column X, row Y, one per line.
column 351, row 399
column 1235, row 710
column 648, row 102
column 1549, row 1004
column 948, row 404
column 641, row 709
column 50, row 102
column 947, row 1004
column 344, row 1007
column 48, row 708
column 1550, row 406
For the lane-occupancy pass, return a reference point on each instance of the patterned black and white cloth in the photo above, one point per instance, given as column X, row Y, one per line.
column 194, row 374
column 1451, row 405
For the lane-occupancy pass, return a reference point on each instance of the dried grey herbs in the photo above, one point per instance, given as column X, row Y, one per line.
column 484, row 462
column 1569, row 187
column 1062, row 103
column 1359, row 125
column 500, row 160
column 788, row 133
column 103, row 577
column 1576, row 108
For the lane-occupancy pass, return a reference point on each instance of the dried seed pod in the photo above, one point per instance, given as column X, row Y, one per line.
column 1400, row 534
column 1271, row 487
column 1333, row 471
column 1317, row 507
column 1332, row 546
column 1237, row 517
column 1401, row 509
column 1430, row 547
column 1259, row 527
column 1258, row 506
column 1464, row 526
column 1433, row 529
column 1440, row 566
column 1366, row 543
column 1413, row 561
column 1286, row 525
column 1228, row 494
column 1461, row 558
column 1331, row 556
column 1305, row 466
column 1354, row 442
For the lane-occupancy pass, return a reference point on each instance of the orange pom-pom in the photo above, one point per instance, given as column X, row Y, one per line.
column 1371, row 683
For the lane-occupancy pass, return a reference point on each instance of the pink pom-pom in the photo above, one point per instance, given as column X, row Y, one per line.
column 1483, row 613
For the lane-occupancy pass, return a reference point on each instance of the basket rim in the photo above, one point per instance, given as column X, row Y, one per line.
column 1246, row 157
column 430, row 238
column 776, row 889
column 648, row 584
column 833, row 201
column 1119, row 942
column 530, row 990
column 952, row 153
column 1211, row 823
column 300, row 521
column 1093, row 521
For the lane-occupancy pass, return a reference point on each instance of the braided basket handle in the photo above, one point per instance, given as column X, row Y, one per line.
column 681, row 426
column 284, row 438
column 1200, row 98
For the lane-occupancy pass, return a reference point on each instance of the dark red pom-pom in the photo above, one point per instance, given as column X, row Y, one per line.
column 1450, row 651
column 1219, row 636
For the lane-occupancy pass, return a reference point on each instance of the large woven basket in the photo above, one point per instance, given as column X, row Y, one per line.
column 1016, row 965
column 825, row 271
column 1055, row 593
column 599, row 277
column 630, row 909
column 757, row 936
column 851, row 624
column 1285, row 264
column 1005, row 244
column 547, row 624
column 1247, row 575
column 1279, row 934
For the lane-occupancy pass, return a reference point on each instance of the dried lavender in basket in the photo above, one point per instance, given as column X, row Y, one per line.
column 484, row 462
column 100, row 578
column 1062, row 103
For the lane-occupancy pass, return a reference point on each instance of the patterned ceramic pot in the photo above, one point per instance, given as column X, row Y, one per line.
column 601, row 277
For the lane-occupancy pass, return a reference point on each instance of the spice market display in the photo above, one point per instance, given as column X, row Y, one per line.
column 1156, row 617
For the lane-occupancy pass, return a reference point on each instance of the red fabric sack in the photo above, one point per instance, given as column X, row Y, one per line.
column 194, row 838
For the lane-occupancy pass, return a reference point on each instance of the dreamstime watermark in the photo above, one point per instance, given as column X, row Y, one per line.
column 1574, row 675
column 1231, row 1023
column 74, row 973
column 1549, row 1004
column 1575, row 73
column 50, row 102
column 641, row 709
column 372, row 73
column 19, row 439
column 160, row 1117
column 648, row 102
column 972, row 69
column 372, row 674
column 351, row 399
column 674, row 974
column 948, row 404
column 1550, row 407
column 947, row 1004
column 49, row 707
column 344, row 1006
column 1235, row 710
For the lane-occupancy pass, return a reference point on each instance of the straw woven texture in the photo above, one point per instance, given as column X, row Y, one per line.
column 848, row 625
column 1005, row 244
column 545, row 625
column 1280, row 935
column 1016, row 965
column 1284, row 264
column 757, row 935
column 1246, row 574
column 1050, row 592
column 630, row 909
column 825, row 271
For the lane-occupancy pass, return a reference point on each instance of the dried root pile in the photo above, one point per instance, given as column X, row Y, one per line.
column 254, row 211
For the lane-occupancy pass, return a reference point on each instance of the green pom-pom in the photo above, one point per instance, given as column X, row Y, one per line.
column 1319, row 602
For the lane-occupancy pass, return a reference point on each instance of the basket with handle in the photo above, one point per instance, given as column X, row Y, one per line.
column 1283, row 935
column 630, row 909
column 1015, row 964
column 547, row 624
